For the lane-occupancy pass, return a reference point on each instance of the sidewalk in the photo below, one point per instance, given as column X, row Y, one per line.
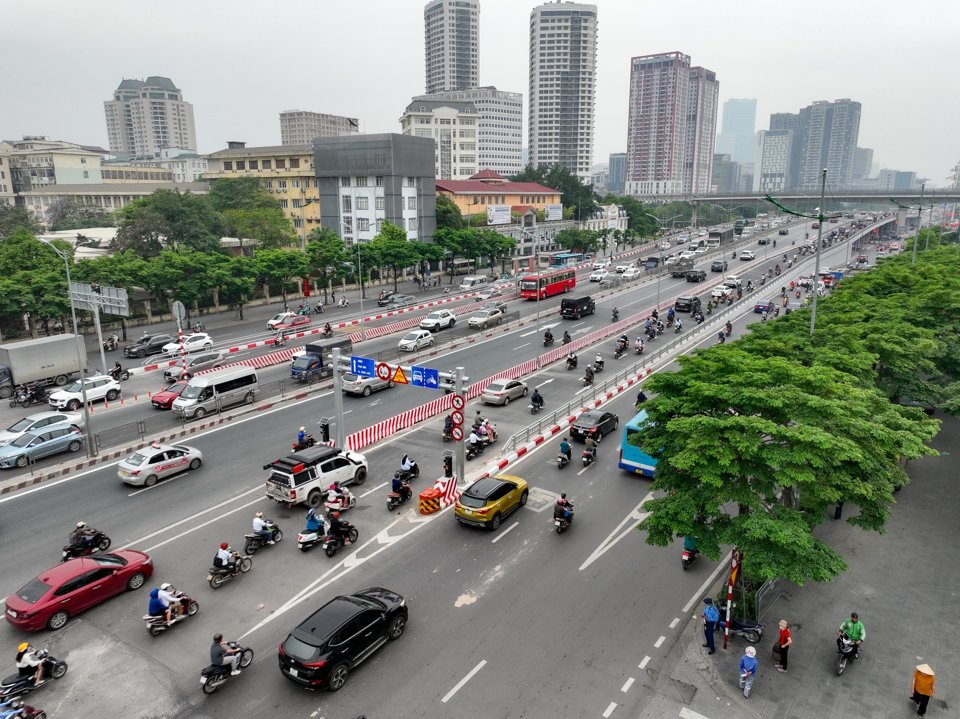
column 904, row 584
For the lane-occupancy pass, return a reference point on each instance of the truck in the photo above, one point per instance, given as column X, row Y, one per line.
column 47, row 360
column 719, row 238
column 682, row 266
column 315, row 360
column 738, row 225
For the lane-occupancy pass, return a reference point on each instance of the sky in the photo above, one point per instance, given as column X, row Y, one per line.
column 241, row 62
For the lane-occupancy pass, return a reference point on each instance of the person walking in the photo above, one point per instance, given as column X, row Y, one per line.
column 748, row 670
column 784, row 640
column 710, row 618
column 923, row 681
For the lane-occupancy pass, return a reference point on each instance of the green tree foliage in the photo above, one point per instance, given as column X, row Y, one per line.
column 327, row 256
column 240, row 193
column 16, row 217
column 169, row 219
column 573, row 194
column 281, row 267
column 267, row 225
column 637, row 220
column 34, row 279
column 575, row 240
column 448, row 214
column 68, row 214
column 394, row 250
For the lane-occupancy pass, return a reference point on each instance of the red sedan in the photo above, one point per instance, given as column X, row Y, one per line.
column 296, row 322
column 69, row 588
column 164, row 398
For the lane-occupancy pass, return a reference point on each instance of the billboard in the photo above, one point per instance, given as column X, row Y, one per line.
column 553, row 212
column 498, row 214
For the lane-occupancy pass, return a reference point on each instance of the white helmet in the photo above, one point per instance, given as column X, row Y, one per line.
column 165, row 586
column 751, row 652
column 81, row 525
column 303, row 429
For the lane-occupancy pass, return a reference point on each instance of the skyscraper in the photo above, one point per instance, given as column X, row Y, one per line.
column 563, row 68
column 862, row 163
column 301, row 127
column 736, row 136
column 828, row 139
column 451, row 30
column 671, row 125
column 617, row 173
column 774, row 150
column 146, row 116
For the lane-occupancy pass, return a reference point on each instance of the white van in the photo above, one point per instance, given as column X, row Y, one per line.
column 212, row 391
column 472, row 283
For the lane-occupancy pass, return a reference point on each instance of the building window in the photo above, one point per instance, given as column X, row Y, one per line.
column 381, row 204
column 379, row 225
column 86, row 174
column 281, row 184
column 361, row 182
column 83, row 161
column 266, row 164
column 411, row 182
column 297, row 204
column 241, row 164
column 412, row 224
column 344, row 182
column 294, row 163
column 254, row 165
column 268, row 184
column 348, row 225
column 297, row 222
column 363, row 224
column 228, row 165
column 379, row 180
column 347, row 203
column 363, row 203
column 284, row 204
column 281, row 164
column 411, row 203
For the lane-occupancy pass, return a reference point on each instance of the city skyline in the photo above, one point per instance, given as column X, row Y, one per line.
column 905, row 135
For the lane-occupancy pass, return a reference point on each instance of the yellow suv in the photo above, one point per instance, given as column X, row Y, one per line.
column 487, row 501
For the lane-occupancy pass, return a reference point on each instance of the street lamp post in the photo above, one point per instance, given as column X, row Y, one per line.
column 363, row 329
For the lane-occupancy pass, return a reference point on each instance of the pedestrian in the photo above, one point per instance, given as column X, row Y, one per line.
column 838, row 510
column 784, row 640
column 748, row 670
column 710, row 618
column 923, row 681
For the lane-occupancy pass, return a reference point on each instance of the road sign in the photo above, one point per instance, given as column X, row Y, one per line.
column 383, row 371
column 93, row 297
column 424, row 377
column 399, row 377
column 456, row 417
column 361, row 366
column 457, row 434
column 458, row 402
column 179, row 311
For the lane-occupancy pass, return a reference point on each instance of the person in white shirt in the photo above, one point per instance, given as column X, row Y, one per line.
column 261, row 527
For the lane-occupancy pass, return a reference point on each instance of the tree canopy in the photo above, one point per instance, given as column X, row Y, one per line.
column 574, row 195
column 169, row 219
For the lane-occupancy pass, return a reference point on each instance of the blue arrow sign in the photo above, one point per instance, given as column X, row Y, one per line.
column 362, row 366
column 424, row 377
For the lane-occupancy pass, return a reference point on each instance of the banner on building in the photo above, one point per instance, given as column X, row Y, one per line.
column 553, row 212
column 498, row 214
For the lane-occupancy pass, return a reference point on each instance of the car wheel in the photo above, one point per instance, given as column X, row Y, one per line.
column 506, row 401
column 338, row 677
column 599, row 435
column 314, row 498
column 495, row 522
column 136, row 581
column 58, row 620
column 150, row 481
column 525, row 390
column 390, row 384
column 523, row 498
column 452, row 323
column 73, row 405
column 360, row 477
column 141, row 354
column 74, row 446
column 200, row 413
column 195, row 463
column 248, row 398
column 112, row 395
column 22, row 461
column 397, row 625
column 366, row 391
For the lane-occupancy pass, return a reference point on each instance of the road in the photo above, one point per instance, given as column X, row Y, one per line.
column 522, row 600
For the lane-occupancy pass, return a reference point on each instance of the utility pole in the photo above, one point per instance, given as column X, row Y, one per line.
column 338, row 399
column 916, row 239
column 460, row 454
column 816, row 264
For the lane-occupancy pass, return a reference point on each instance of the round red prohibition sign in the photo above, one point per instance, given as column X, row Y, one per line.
column 383, row 371
column 457, row 434
column 458, row 402
column 456, row 417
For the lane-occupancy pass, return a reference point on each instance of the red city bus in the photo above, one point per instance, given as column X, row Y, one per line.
column 550, row 282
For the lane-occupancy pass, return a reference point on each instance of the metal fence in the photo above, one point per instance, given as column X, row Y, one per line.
column 768, row 593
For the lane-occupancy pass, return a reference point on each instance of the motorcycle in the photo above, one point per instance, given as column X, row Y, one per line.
column 536, row 408
column 614, row 316
column 218, row 575
column 308, row 537
column 308, row 441
column 254, row 541
column 474, row 450
column 119, row 375
column 333, row 544
column 408, row 475
column 395, row 499
column 547, row 340
column 597, row 366
column 562, row 460
column 638, row 349
column 751, row 631
column 98, row 542
column 686, row 559
column 198, row 326
column 446, row 434
column 15, row 709
column 111, row 343
column 619, row 351
column 587, row 380
column 157, row 625
column 571, row 363
column 214, row 676
column 16, row 685
column 318, row 308
column 344, row 501
column 847, row 653
column 564, row 523
column 325, row 333
column 587, row 457
column 36, row 395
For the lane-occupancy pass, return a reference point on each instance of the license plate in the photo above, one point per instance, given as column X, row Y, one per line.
column 209, row 577
column 557, row 522
column 124, row 473
column 203, row 680
column 293, row 672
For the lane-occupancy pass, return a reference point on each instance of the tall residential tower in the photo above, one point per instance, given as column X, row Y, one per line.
column 146, row 116
column 737, row 131
column 451, row 30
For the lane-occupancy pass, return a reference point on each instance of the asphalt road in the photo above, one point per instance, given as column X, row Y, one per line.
column 556, row 633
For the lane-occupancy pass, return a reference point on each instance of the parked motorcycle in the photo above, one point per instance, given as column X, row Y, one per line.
column 562, row 524
column 111, row 343
column 98, row 542
column 333, row 544
column 157, row 625
column 16, row 685
column 847, row 653
column 254, row 541
column 751, row 631
column 214, row 676
column 395, row 499
column 686, row 559
column 218, row 575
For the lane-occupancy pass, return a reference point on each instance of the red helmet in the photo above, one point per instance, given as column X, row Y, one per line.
column 335, row 515
column 224, row 545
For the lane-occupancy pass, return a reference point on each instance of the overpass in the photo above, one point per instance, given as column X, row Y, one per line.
column 872, row 197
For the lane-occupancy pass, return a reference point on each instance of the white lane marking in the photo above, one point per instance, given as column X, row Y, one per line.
column 195, row 527
column 675, row 622
column 631, row 521
column 504, row 533
column 373, row 489
column 579, row 324
column 545, row 382
column 347, row 411
column 644, row 662
column 697, row 595
column 459, row 685
column 160, row 482
column 627, row 684
column 690, row 714
column 657, row 644
column 527, row 334
column 526, row 344
column 583, row 470
column 609, row 710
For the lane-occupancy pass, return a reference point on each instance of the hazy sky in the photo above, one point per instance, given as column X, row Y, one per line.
column 240, row 62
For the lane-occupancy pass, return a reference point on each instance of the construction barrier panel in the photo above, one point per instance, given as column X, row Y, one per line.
column 447, row 487
column 429, row 501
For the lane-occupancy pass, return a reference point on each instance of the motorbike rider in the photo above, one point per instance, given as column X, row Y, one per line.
column 616, row 314
column 475, row 442
column 479, row 420
column 598, row 361
column 536, row 399
column 690, row 545
column 335, row 495
column 565, row 449
column 302, row 436
column 563, row 508
column 407, row 464
column 327, row 329
column 567, row 339
column 401, row 486
column 638, row 345
column 314, row 521
column 83, row 535
column 28, row 663
column 588, row 375
column 261, row 527
column 641, row 398
column 671, row 313
column 343, row 301
column 168, row 593
column 225, row 558
column 572, row 359
column 679, row 324
column 853, row 629
column 447, row 424
column 623, row 342
column 337, row 530
column 159, row 607
column 591, row 445
column 548, row 338
column 223, row 655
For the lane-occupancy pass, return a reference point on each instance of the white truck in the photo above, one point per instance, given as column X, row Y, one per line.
column 47, row 360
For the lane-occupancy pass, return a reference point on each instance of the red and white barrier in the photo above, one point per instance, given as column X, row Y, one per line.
column 447, row 486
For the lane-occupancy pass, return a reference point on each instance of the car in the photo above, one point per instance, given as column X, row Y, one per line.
column 354, row 384
column 147, row 345
column 671, row 261
column 784, row 231
column 416, row 340
column 38, row 422
column 296, row 322
column 702, row 233
column 195, row 364
column 485, row 318
column 63, row 591
column 696, row 275
column 279, row 318
column 681, row 239
column 747, row 255
column 686, row 254
column 164, row 398
column 501, row 391
column 652, row 262
column 665, row 245
column 486, row 502
column 631, row 273
column 396, row 301
column 718, row 266
column 326, row 646
column 97, row 388
column 438, row 320
column 29, row 447
column 701, row 250
column 599, row 275
column 594, row 423
column 764, row 306
column 487, row 293
column 624, row 267
column 495, row 305
column 191, row 343
column 158, row 461
column 733, row 281
column 384, row 299
column 722, row 292
column 602, row 264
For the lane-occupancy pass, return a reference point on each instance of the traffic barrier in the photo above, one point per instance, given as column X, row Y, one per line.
column 447, row 487
column 429, row 501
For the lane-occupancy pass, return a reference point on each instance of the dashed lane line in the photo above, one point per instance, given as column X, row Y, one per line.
column 460, row 684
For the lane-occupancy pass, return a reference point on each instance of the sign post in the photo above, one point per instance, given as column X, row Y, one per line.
column 458, row 399
column 338, row 399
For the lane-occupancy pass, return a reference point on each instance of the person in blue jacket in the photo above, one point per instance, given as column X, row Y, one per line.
column 157, row 607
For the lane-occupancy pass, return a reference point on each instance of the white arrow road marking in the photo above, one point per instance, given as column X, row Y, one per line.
column 631, row 521
column 545, row 382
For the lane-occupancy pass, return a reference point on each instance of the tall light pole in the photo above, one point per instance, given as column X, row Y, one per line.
column 916, row 238
column 363, row 328
column 660, row 252
column 536, row 263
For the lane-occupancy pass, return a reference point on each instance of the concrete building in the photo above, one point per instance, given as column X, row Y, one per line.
column 366, row 180
column 285, row 171
column 607, row 217
column 563, row 68
column 146, row 116
column 773, row 153
column 701, row 131
column 6, row 181
column 183, row 165
column 453, row 128
column 897, row 180
column 617, row 173
column 301, row 127
column 862, row 164
column 106, row 196
column 737, row 133
column 600, row 178
column 726, row 174
column 451, row 31
column 790, row 121
column 487, row 189
column 828, row 139
column 500, row 130
column 36, row 162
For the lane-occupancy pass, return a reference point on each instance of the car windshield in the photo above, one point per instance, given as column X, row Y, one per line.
column 301, row 362
column 109, row 560
column 136, row 459
column 74, row 388
column 192, row 391
column 496, row 386
column 412, row 336
column 297, row 649
column 435, row 315
column 176, row 387
column 23, row 440
column 350, row 378
column 21, row 425
column 468, row 500
column 33, row 591
column 588, row 420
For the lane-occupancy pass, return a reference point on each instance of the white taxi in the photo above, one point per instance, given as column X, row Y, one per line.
column 158, row 461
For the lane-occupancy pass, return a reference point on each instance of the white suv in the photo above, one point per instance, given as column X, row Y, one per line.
column 97, row 388
column 438, row 320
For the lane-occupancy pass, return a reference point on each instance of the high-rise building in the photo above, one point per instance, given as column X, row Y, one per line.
column 828, row 139
column 671, row 126
column 862, row 163
column 774, row 148
column 726, row 174
column 146, row 116
column 739, row 124
column 617, row 177
column 453, row 128
column 451, row 30
column 300, row 127
column 500, row 129
column 563, row 68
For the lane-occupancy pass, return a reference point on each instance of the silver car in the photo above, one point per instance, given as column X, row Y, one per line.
column 485, row 318
column 39, row 422
column 29, row 448
column 503, row 390
column 197, row 363
column 354, row 384
column 158, row 461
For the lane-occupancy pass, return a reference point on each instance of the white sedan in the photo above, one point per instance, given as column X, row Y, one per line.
column 623, row 268
column 191, row 343
column 416, row 340
column 631, row 273
column 747, row 255
column 599, row 276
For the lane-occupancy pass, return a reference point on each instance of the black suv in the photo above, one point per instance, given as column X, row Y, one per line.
column 147, row 345
column 696, row 275
column 333, row 640
column 718, row 266
column 594, row 423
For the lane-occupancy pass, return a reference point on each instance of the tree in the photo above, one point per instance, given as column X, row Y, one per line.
column 448, row 214
column 34, row 279
column 68, row 214
column 429, row 252
column 573, row 193
column 394, row 250
column 169, row 219
column 16, row 217
column 574, row 240
column 637, row 219
column 281, row 266
column 267, row 225
column 327, row 256
column 240, row 193
column 493, row 245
